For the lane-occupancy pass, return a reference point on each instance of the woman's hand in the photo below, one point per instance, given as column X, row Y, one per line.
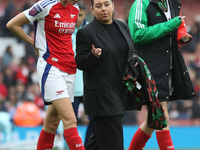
column 136, row 64
column 96, row 51
column 186, row 38
column 36, row 52
column 182, row 18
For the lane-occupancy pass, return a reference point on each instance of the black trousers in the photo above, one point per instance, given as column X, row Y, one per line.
column 107, row 134
column 89, row 130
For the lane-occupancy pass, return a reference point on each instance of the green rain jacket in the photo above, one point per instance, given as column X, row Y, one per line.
column 154, row 37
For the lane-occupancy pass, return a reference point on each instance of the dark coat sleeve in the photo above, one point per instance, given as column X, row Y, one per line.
column 84, row 58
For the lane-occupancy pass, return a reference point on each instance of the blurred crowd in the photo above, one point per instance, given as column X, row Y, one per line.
column 20, row 96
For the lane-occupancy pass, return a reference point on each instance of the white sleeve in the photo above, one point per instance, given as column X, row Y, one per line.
column 36, row 12
column 76, row 5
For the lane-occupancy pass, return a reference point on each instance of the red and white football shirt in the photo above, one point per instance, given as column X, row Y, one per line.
column 54, row 25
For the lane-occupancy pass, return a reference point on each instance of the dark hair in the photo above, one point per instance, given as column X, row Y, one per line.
column 92, row 2
column 9, row 49
column 82, row 5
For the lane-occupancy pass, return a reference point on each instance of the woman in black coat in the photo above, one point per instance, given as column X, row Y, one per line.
column 103, row 47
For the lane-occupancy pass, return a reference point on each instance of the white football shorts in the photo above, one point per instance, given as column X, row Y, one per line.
column 54, row 83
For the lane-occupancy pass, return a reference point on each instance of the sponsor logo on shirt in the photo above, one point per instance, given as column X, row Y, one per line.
column 35, row 10
column 64, row 24
column 57, row 16
column 65, row 27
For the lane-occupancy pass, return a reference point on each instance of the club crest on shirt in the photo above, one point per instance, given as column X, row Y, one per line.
column 35, row 10
column 72, row 15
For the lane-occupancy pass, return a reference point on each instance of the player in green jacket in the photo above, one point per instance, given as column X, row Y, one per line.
column 157, row 28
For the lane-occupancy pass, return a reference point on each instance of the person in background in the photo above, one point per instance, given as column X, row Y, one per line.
column 4, row 89
column 28, row 113
column 78, row 93
column 2, row 13
column 10, row 12
column 157, row 28
column 8, row 76
column 54, row 23
column 5, row 121
column 29, row 51
column 6, row 125
column 7, row 57
column 102, row 49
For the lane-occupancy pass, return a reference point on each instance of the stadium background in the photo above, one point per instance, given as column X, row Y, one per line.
column 18, row 77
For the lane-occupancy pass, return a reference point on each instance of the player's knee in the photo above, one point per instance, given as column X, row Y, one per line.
column 70, row 122
column 52, row 125
column 73, row 121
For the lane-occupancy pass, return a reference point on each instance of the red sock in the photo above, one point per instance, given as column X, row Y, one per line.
column 164, row 140
column 73, row 139
column 139, row 140
column 45, row 141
